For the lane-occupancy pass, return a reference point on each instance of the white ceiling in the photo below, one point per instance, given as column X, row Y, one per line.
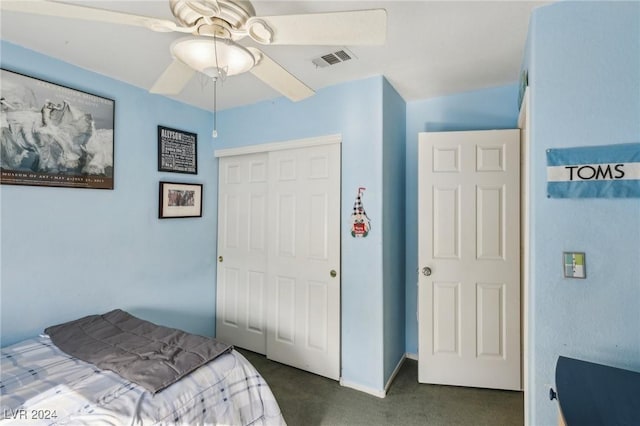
column 433, row 48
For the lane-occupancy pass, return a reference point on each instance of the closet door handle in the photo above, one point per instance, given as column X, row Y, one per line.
column 220, row 259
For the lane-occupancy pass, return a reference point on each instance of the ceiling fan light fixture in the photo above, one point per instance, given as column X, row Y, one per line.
column 259, row 31
column 204, row 8
column 205, row 54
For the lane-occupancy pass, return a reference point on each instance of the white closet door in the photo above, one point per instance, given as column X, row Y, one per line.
column 242, row 251
column 304, row 259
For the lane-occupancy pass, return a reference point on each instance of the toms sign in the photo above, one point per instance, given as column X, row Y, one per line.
column 610, row 171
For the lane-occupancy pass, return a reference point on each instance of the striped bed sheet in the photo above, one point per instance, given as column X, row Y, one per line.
column 40, row 384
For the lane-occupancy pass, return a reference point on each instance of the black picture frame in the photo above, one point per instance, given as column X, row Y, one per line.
column 177, row 151
column 180, row 200
column 59, row 136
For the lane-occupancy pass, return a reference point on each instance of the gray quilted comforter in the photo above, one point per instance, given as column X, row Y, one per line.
column 147, row 354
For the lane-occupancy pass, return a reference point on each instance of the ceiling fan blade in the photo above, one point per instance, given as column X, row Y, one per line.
column 66, row 10
column 278, row 78
column 173, row 79
column 359, row 27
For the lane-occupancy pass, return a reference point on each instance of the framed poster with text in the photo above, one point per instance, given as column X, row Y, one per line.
column 52, row 135
column 177, row 151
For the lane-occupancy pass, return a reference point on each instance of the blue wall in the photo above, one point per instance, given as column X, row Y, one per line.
column 584, row 68
column 393, row 238
column 495, row 108
column 354, row 110
column 72, row 252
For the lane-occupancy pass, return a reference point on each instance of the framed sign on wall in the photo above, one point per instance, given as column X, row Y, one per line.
column 177, row 151
column 52, row 135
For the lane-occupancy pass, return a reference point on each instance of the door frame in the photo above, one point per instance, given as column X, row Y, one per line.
column 278, row 146
column 524, row 124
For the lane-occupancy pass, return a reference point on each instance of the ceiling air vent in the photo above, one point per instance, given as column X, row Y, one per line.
column 333, row 58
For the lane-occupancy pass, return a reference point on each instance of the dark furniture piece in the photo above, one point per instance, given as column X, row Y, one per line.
column 595, row 394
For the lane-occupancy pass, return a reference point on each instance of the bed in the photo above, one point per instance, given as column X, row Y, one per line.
column 42, row 384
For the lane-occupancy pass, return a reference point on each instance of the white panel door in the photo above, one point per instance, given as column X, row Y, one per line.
column 242, row 251
column 469, row 238
column 304, row 259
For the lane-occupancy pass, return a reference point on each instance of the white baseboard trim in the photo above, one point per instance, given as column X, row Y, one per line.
column 411, row 356
column 394, row 374
column 371, row 391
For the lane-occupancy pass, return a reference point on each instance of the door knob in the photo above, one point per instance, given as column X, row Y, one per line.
column 426, row 271
column 333, row 273
column 220, row 259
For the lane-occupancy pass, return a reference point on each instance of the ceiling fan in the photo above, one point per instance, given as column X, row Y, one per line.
column 216, row 26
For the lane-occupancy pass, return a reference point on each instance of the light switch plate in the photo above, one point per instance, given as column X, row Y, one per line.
column 575, row 264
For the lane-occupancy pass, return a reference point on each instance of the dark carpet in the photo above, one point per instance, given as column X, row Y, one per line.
column 307, row 399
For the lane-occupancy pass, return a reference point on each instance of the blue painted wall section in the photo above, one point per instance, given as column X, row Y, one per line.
column 494, row 108
column 584, row 76
column 393, row 233
column 354, row 110
column 72, row 252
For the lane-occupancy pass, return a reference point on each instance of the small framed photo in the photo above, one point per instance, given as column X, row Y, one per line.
column 180, row 200
column 177, row 151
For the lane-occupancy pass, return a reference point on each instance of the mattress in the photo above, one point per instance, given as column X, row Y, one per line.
column 40, row 384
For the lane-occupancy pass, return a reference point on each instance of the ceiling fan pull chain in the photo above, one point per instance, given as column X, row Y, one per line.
column 214, row 134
